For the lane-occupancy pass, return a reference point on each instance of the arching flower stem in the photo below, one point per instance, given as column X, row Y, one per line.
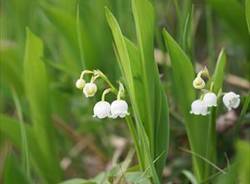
column 85, row 72
column 105, row 92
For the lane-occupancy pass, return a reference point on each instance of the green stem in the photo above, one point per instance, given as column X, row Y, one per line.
column 25, row 150
column 85, row 72
column 105, row 78
column 211, row 145
column 105, row 92
column 132, row 130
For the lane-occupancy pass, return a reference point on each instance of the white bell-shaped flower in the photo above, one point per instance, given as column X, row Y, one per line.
column 90, row 89
column 198, row 83
column 101, row 110
column 80, row 83
column 198, row 107
column 231, row 100
column 119, row 108
column 210, row 99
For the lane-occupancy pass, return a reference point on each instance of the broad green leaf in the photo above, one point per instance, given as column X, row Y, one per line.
column 183, row 73
column 126, row 70
column 247, row 10
column 145, row 33
column 218, row 75
column 37, row 91
column 155, row 101
column 196, row 126
column 149, row 103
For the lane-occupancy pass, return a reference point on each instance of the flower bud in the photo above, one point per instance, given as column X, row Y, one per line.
column 80, row 83
column 90, row 89
column 210, row 99
column 198, row 83
column 101, row 110
column 119, row 108
column 231, row 100
column 198, row 107
column 204, row 74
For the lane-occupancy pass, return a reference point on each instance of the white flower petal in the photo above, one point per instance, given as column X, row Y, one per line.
column 80, row 83
column 198, row 107
column 198, row 83
column 101, row 109
column 119, row 108
column 90, row 89
column 231, row 100
column 210, row 99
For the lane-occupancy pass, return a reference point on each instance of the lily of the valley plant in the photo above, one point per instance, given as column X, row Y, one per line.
column 103, row 109
column 208, row 98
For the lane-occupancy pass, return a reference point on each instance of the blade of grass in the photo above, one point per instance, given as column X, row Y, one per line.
column 206, row 160
column 190, row 176
column 25, row 150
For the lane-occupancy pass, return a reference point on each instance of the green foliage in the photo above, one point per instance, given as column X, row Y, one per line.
column 139, row 72
column 37, row 74
column 37, row 91
column 183, row 75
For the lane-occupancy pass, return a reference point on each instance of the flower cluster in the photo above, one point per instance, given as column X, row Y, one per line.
column 103, row 109
column 209, row 99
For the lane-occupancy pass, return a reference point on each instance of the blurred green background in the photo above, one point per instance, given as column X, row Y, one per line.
column 39, row 100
